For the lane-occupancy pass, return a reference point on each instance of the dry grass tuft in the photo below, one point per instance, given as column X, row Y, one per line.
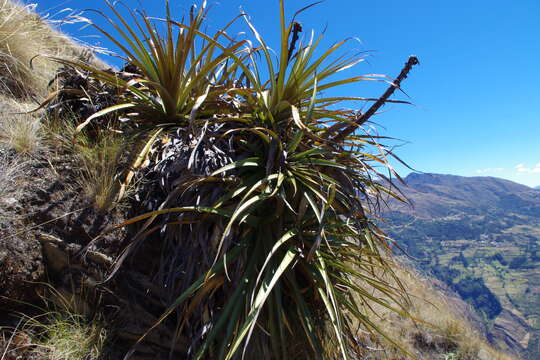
column 59, row 333
column 11, row 170
column 19, row 131
column 23, row 35
column 25, row 41
column 100, row 169
column 21, row 134
column 67, row 336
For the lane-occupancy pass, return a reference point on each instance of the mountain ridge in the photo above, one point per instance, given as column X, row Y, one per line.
column 414, row 177
column 425, row 192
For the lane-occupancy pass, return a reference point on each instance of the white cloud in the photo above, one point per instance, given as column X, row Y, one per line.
column 522, row 169
column 489, row 170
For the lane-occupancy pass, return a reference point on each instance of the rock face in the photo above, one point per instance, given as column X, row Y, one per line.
column 43, row 231
column 20, row 263
column 480, row 235
column 45, row 206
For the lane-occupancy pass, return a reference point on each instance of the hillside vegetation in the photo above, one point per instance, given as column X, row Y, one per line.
column 25, row 42
column 191, row 205
column 481, row 236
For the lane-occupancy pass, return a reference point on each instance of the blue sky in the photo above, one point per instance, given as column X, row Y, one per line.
column 477, row 102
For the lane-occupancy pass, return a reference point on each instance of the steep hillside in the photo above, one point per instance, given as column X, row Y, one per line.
column 56, row 188
column 480, row 235
column 447, row 327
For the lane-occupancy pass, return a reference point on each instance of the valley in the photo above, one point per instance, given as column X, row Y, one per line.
column 481, row 236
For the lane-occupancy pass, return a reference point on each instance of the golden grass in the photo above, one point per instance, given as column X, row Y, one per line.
column 443, row 331
column 99, row 170
column 23, row 35
column 25, row 42
column 19, row 132
column 25, row 72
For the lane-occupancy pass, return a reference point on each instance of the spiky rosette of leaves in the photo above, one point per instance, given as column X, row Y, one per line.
column 176, row 72
column 261, row 214
column 178, row 75
column 276, row 237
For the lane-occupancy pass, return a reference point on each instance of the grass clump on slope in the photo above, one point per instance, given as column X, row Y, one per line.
column 24, row 39
column 26, row 43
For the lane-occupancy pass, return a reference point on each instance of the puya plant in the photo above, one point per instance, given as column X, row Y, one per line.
column 175, row 73
column 261, row 191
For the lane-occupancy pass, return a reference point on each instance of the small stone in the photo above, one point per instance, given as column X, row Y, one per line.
column 10, row 201
column 484, row 355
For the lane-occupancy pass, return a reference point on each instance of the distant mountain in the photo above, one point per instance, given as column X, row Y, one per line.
column 480, row 235
column 440, row 195
column 537, row 188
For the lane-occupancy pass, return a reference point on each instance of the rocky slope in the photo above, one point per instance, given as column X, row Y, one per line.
column 480, row 235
